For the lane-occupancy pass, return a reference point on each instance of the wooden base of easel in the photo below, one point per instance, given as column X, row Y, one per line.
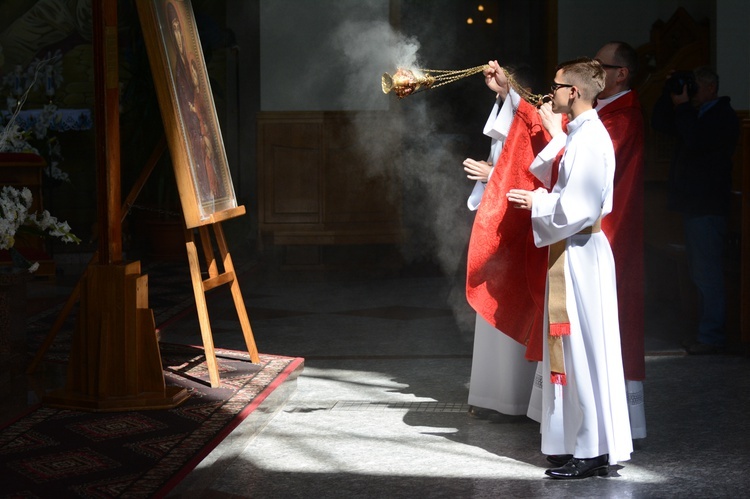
column 115, row 362
column 214, row 280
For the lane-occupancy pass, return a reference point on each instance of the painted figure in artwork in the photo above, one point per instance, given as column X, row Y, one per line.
column 194, row 112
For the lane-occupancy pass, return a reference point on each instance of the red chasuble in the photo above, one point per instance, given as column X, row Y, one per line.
column 506, row 272
column 624, row 226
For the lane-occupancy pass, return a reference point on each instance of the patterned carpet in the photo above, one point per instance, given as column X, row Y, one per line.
column 50, row 452
column 63, row 453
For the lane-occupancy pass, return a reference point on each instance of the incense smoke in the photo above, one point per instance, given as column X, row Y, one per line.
column 433, row 184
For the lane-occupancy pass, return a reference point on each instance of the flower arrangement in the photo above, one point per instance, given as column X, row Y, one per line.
column 14, row 139
column 16, row 219
column 16, row 203
column 20, row 83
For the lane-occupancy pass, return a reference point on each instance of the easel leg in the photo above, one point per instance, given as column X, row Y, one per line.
column 201, row 308
column 239, row 303
column 215, row 279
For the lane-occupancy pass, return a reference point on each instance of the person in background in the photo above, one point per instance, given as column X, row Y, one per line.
column 700, row 184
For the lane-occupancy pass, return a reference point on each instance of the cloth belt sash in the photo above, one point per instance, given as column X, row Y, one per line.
column 557, row 313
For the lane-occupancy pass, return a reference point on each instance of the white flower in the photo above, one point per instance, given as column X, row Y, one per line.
column 54, row 172
column 13, row 139
column 14, row 206
column 26, row 196
column 15, row 218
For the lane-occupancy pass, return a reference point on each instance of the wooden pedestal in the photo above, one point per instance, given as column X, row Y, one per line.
column 115, row 362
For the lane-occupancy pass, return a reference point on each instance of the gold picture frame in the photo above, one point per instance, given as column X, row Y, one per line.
column 187, row 108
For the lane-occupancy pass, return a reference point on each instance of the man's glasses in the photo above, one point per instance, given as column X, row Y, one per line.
column 610, row 66
column 556, row 85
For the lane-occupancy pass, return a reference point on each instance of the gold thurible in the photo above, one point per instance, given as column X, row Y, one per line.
column 406, row 81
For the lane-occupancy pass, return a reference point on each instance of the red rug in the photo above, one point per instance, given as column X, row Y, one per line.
column 62, row 453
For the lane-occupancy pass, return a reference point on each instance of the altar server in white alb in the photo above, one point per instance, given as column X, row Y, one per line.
column 501, row 377
column 585, row 426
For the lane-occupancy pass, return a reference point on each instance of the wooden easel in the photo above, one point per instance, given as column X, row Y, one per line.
column 105, row 329
column 214, row 280
column 158, row 21
column 200, row 286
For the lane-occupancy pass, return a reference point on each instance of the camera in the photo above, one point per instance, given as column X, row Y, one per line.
column 680, row 79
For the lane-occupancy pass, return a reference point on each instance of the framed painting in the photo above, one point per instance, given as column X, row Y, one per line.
column 188, row 112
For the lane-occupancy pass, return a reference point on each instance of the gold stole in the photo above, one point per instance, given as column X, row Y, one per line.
column 557, row 313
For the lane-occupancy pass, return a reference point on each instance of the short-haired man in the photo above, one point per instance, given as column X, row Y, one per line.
column 584, row 405
column 619, row 110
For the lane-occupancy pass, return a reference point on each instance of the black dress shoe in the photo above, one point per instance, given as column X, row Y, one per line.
column 478, row 412
column 581, row 468
column 559, row 459
column 481, row 413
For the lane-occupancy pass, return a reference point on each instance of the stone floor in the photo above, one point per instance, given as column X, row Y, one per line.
column 380, row 408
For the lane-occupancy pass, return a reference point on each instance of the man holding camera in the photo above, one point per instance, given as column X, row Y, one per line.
column 700, row 184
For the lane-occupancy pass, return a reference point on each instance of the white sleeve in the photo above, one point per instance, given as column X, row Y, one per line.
column 497, row 127
column 501, row 117
column 542, row 165
column 476, row 196
column 576, row 200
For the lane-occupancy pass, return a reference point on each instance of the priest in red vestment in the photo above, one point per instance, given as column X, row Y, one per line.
column 620, row 111
column 506, row 272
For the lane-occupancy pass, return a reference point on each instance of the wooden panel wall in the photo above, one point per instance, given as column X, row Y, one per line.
column 317, row 185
